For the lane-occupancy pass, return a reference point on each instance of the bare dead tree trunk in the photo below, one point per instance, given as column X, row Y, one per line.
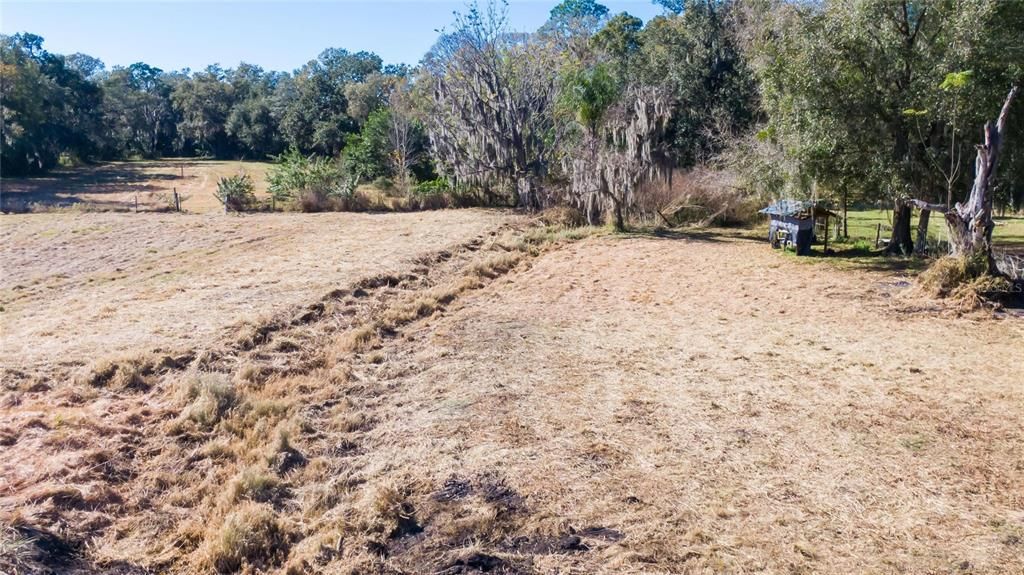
column 970, row 224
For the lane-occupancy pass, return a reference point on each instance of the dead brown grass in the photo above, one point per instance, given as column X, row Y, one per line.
column 360, row 339
column 119, row 373
column 964, row 282
column 207, row 397
column 620, row 404
column 78, row 288
column 700, row 196
column 250, row 535
column 748, row 414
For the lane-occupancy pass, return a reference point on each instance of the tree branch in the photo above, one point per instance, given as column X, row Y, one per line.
column 923, row 205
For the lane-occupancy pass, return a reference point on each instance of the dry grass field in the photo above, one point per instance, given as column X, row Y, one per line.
column 77, row 287
column 492, row 395
column 115, row 186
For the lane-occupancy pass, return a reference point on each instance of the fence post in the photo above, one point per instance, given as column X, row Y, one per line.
column 177, row 201
column 136, row 202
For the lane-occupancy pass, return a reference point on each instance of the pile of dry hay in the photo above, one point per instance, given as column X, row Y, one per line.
column 967, row 282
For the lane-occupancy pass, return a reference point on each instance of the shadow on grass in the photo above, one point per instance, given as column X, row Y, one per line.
column 65, row 187
column 865, row 258
column 716, row 235
column 61, row 187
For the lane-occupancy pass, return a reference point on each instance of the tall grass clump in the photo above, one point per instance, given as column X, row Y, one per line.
column 250, row 536
column 124, row 373
column 254, row 484
column 208, row 398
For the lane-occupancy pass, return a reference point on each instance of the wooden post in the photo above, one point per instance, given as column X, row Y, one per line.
column 136, row 202
column 846, row 228
column 177, row 201
column 826, row 234
column 878, row 235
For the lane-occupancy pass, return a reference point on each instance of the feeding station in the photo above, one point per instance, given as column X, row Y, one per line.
column 797, row 224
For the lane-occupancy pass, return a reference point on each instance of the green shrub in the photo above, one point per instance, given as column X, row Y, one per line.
column 296, row 174
column 236, row 193
column 315, row 183
column 438, row 186
column 432, row 195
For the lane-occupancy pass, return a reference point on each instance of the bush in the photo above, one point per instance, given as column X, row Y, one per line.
column 384, row 184
column 563, row 217
column 315, row 201
column 236, row 193
column 431, row 195
column 316, row 184
column 296, row 174
column 700, row 196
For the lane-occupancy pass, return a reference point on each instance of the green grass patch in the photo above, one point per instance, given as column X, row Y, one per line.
column 863, row 225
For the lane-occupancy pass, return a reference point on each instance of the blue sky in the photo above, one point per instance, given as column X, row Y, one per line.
column 275, row 35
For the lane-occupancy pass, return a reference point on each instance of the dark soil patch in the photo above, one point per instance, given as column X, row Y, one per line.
column 477, row 563
column 562, row 544
column 454, row 488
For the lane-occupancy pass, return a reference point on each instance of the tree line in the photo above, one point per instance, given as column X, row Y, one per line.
column 56, row 105
column 857, row 101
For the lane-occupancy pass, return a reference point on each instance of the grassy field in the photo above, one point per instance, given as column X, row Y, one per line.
column 115, row 186
column 863, row 225
column 464, row 391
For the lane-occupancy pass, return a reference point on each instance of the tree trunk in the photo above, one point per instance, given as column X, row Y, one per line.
column 900, row 242
column 620, row 221
column 970, row 224
column 921, row 245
